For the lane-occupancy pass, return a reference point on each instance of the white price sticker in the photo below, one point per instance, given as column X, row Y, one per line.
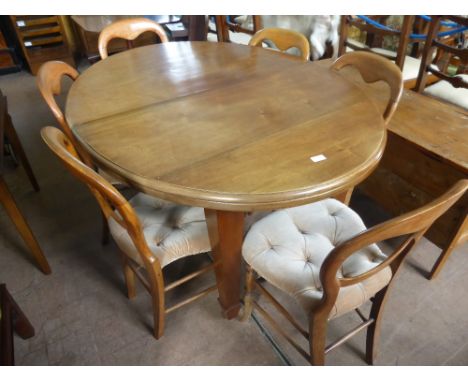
column 318, row 158
column 27, row 43
column 21, row 23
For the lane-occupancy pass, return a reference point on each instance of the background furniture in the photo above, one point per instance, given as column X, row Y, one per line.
column 374, row 37
column 283, row 39
column 235, row 131
column 6, row 198
column 42, row 38
column 426, row 153
column 452, row 86
column 9, row 60
column 179, row 28
column 224, row 24
column 12, row 319
column 323, row 255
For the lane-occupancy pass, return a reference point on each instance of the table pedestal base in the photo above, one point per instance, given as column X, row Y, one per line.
column 226, row 230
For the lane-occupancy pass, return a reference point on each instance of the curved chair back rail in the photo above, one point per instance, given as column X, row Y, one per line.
column 283, row 39
column 413, row 224
column 128, row 29
column 49, row 81
column 374, row 68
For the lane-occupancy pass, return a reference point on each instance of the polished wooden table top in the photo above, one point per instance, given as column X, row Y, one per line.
column 225, row 126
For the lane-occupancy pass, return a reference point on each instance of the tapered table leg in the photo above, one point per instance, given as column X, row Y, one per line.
column 6, row 199
column 226, row 230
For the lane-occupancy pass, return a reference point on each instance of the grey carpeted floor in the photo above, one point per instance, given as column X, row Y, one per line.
column 82, row 317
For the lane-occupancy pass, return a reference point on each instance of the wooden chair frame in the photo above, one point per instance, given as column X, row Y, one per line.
column 283, row 39
column 432, row 42
column 412, row 225
column 373, row 68
column 114, row 205
column 128, row 29
column 404, row 35
column 223, row 27
column 12, row 319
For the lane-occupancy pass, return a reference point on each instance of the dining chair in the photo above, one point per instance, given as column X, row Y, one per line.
column 225, row 25
column 283, row 39
column 128, row 29
column 323, row 255
column 373, row 68
column 452, row 71
column 375, row 34
column 150, row 233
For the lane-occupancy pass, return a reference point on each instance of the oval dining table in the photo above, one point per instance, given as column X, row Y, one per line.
column 227, row 127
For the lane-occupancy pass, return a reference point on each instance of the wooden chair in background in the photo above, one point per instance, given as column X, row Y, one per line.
column 225, row 24
column 12, row 319
column 374, row 36
column 283, row 39
column 133, row 222
column 451, row 87
column 6, row 198
column 373, row 68
column 128, row 29
column 332, row 265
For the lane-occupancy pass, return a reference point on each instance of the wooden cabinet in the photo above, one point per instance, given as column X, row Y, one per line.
column 42, row 38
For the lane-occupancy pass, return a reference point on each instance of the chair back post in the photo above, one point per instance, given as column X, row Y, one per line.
column 404, row 36
column 128, row 29
column 49, row 81
column 375, row 68
column 434, row 41
column 283, row 39
column 427, row 53
column 111, row 201
column 413, row 224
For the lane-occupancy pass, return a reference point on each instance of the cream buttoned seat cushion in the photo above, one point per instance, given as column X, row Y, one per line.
column 445, row 91
column 288, row 247
column 172, row 231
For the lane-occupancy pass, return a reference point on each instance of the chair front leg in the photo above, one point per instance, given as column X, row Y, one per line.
column 317, row 338
column 249, row 285
column 373, row 331
column 156, row 281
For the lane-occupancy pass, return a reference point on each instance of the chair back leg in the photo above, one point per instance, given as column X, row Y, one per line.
column 249, row 285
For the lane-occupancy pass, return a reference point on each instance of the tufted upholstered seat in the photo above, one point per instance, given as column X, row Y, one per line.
column 172, row 231
column 288, row 247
